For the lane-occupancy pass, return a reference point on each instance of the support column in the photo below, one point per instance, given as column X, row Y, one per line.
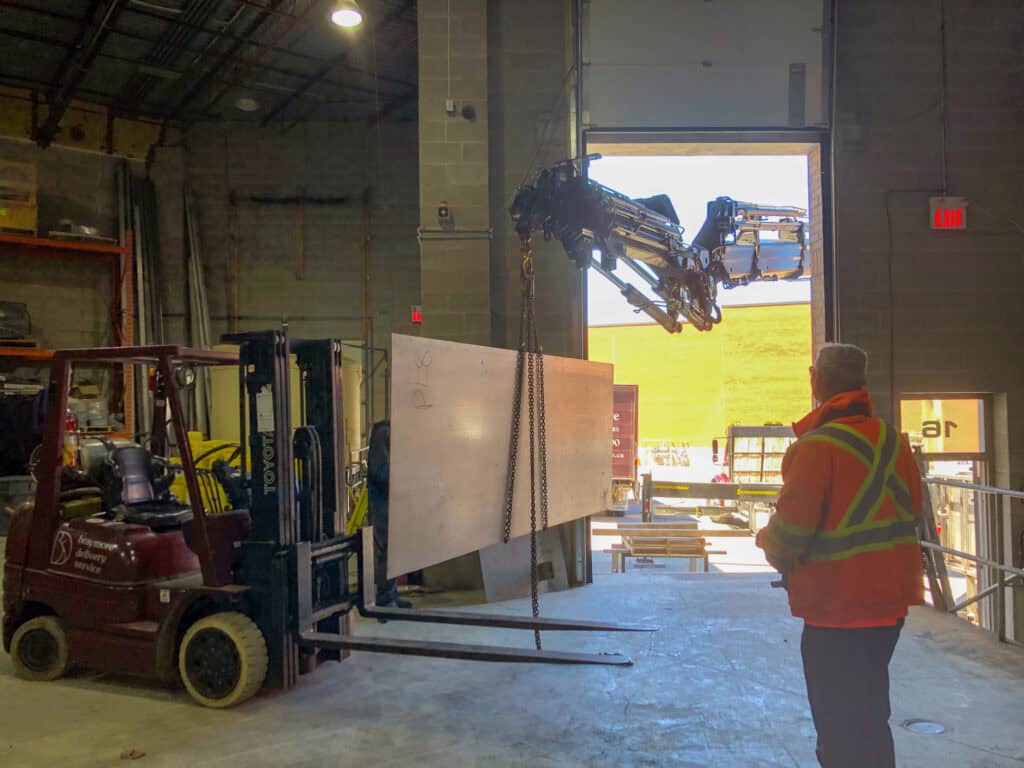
column 454, row 254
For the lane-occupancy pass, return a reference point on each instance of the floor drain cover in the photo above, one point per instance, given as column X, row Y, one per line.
column 924, row 727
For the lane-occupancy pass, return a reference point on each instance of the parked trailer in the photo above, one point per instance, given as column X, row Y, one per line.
column 625, row 433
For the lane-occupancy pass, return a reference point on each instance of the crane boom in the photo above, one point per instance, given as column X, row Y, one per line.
column 600, row 227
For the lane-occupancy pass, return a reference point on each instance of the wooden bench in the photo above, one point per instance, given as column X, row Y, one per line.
column 693, row 549
column 660, row 529
column 678, row 539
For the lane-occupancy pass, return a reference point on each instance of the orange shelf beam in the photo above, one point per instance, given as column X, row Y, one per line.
column 122, row 298
column 64, row 245
column 27, row 353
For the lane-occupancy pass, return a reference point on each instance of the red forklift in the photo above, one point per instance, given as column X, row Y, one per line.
column 107, row 570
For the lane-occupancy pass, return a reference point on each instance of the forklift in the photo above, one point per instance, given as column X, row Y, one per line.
column 107, row 570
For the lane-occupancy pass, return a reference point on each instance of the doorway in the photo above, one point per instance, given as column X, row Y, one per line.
column 950, row 433
column 748, row 371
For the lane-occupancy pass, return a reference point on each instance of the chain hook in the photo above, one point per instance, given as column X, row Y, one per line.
column 529, row 366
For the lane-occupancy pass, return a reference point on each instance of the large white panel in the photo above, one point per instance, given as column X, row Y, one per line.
column 694, row 63
column 451, row 411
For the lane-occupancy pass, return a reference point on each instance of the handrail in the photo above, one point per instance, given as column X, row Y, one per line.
column 937, row 575
column 975, row 487
column 973, row 558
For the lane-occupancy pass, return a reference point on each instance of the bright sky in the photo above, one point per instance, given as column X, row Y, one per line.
column 691, row 181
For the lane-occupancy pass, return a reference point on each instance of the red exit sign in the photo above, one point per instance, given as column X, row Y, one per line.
column 948, row 212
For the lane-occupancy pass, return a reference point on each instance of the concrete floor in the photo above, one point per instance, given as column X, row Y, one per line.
column 719, row 685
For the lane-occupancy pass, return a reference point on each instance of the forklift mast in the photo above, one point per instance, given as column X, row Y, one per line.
column 297, row 501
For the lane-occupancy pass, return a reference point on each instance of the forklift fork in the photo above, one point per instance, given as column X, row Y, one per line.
column 366, row 606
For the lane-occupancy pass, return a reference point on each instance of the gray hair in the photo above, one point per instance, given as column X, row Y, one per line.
column 840, row 368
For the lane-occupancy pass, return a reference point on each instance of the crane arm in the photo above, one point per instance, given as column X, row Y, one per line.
column 600, row 227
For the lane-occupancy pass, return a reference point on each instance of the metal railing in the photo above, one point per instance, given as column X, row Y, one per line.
column 741, row 493
column 1000, row 573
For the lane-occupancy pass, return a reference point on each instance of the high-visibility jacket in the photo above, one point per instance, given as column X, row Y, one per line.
column 845, row 527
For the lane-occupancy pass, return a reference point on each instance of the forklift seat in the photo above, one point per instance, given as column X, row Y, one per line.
column 160, row 514
column 128, row 489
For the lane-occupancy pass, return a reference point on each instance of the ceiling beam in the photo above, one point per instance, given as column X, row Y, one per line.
column 226, row 57
column 260, row 63
column 169, row 73
column 243, row 67
column 172, row 73
column 336, row 61
column 76, row 66
column 96, row 98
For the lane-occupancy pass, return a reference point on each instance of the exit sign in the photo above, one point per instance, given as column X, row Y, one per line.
column 948, row 212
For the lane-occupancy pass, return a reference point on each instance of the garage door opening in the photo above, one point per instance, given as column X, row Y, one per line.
column 703, row 399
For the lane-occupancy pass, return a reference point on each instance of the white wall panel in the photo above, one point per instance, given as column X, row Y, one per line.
column 702, row 63
column 451, row 410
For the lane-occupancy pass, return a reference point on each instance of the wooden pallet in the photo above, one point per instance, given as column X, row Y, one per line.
column 662, row 529
column 692, row 549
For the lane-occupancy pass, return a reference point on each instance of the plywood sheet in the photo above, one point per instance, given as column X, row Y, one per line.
column 506, row 571
column 451, row 411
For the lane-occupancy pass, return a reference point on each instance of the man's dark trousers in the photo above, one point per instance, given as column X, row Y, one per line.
column 847, row 672
column 378, row 480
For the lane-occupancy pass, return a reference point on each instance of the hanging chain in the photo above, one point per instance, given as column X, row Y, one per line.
column 530, row 357
column 542, row 436
column 513, row 451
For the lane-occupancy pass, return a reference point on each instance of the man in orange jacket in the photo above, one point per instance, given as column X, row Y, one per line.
column 844, row 536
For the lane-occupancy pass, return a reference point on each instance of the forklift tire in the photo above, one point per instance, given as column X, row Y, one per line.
column 39, row 649
column 223, row 659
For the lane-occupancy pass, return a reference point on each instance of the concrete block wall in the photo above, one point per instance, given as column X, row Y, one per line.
column 168, row 172
column 508, row 60
column 531, row 90
column 304, row 264
column 68, row 297
column 937, row 311
column 454, row 266
column 951, row 290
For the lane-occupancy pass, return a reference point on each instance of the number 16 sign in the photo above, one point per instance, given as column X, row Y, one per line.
column 944, row 426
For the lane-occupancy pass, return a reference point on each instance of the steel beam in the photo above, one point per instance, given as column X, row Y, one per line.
column 171, row 73
column 226, row 57
column 331, row 64
column 76, row 66
column 259, row 65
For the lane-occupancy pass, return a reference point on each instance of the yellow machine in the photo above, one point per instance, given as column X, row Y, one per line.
column 207, row 453
column 360, row 505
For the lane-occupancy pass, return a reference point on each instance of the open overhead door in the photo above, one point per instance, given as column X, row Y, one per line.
column 746, row 64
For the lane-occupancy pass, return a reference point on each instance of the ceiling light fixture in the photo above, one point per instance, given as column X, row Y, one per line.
column 347, row 13
column 247, row 104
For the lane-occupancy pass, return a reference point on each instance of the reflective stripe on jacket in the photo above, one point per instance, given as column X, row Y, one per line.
column 845, row 527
